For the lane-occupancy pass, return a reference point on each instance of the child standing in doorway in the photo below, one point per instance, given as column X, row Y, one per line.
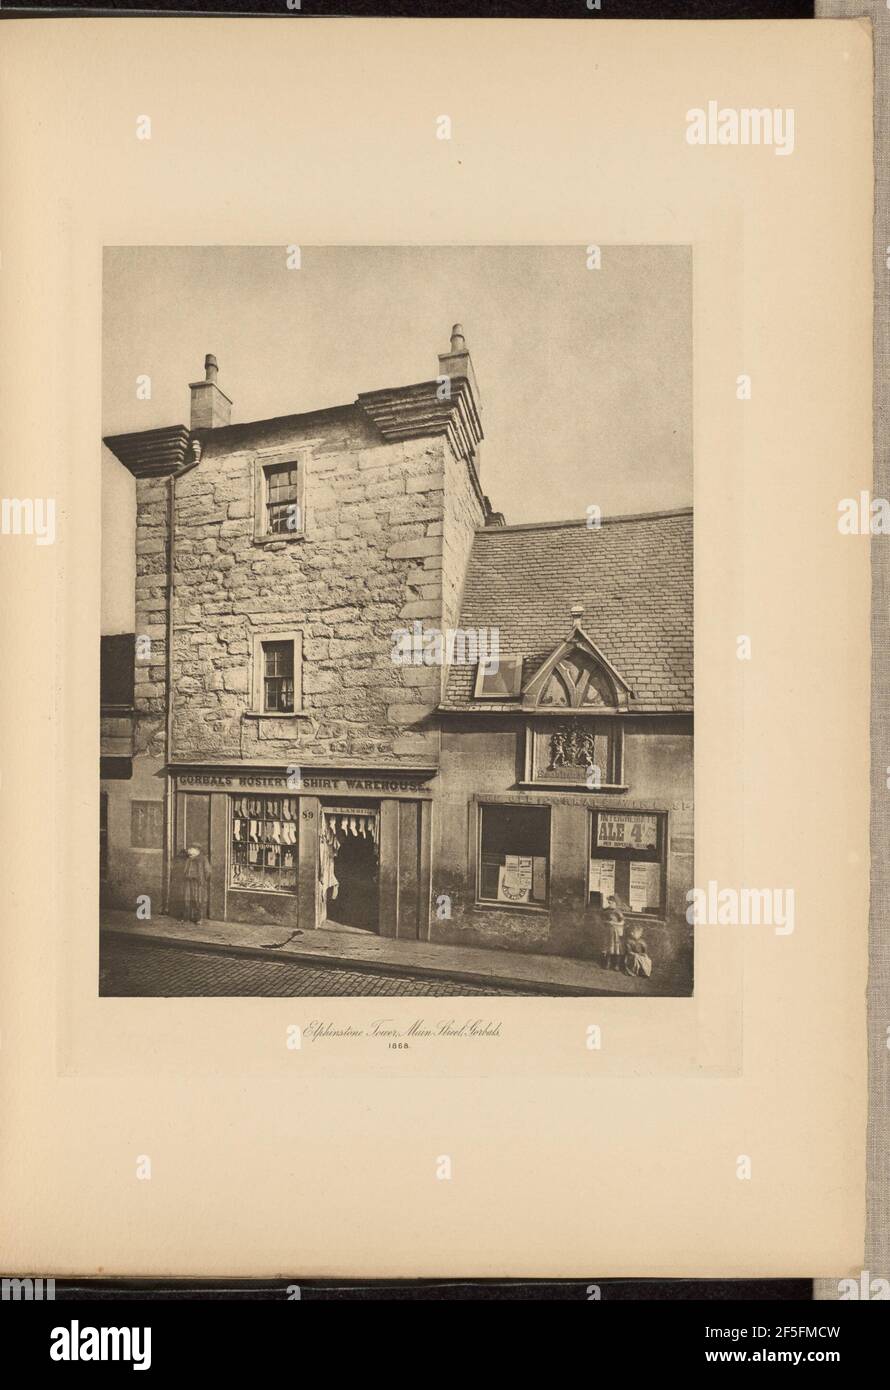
column 197, row 883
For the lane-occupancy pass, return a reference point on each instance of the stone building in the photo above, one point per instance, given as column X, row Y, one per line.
column 290, row 716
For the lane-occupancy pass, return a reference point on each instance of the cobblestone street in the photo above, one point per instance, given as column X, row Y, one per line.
column 139, row 969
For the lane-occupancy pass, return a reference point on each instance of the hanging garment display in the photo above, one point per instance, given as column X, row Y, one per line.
column 353, row 821
column 261, row 826
column 328, row 846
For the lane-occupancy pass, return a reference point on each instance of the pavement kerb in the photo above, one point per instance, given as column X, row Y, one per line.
column 377, row 967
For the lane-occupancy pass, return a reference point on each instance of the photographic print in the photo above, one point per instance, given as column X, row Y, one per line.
column 417, row 753
column 397, row 631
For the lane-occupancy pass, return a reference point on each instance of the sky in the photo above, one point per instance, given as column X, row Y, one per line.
column 585, row 375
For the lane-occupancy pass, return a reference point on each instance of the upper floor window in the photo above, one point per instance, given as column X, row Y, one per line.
column 278, row 677
column 117, row 673
column 276, row 686
column 282, row 499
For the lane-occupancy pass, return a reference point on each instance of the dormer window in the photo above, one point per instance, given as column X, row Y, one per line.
column 576, row 675
column 578, row 682
column 499, row 678
column 575, row 681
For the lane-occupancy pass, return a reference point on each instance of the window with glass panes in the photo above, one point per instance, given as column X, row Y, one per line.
column 264, row 843
column 282, row 504
column 147, row 824
column 514, row 854
column 278, row 677
column 627, row 860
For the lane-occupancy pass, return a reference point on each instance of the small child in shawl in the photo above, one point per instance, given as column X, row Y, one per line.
column 636, row 954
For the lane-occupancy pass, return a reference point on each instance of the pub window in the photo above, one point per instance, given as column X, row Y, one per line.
column 147, row 824
column 514, row 854
column 282, row 499
column 278, row 677
column 264, row 843
column 103, row 835
column 627, row 860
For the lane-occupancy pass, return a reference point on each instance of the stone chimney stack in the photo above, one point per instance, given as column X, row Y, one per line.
column 457, row 366
column 457, row 363
column 211, row 407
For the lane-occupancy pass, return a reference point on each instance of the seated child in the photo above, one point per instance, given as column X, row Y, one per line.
column 636, row 959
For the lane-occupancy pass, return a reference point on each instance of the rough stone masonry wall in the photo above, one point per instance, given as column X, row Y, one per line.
column 370, row 563
column 151, row 617
column 463, row 515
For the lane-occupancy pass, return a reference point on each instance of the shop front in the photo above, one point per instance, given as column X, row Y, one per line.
column 535, row 871
column 530, row 847
column 343, row 849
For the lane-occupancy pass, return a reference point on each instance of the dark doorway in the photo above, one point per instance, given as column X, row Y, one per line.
column 357, row 902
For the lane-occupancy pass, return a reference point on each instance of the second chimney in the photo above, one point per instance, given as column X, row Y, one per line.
column 211, row 407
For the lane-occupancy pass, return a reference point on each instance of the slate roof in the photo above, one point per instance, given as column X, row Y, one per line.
column 633, row 576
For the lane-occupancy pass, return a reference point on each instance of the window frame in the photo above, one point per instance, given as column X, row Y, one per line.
column 139, row 804
column 277, row 681
column 265, row 798
column 629, row 855
column 264, row 466
column 531, row 906
column 258, row 673
column 480, row 693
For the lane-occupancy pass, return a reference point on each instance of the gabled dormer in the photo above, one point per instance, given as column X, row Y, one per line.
column 563, row 747
column 576, row 676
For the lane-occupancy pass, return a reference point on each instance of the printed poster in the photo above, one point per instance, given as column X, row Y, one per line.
column 644, row 892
